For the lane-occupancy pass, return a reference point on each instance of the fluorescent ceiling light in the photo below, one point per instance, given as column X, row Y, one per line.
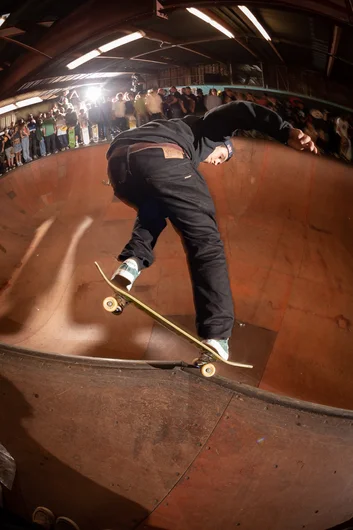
column 27, row 102
column 254, row 20
column 7, row 108
column 120, row 42
column 209, row 20
column 3, row 18
column 83, row 59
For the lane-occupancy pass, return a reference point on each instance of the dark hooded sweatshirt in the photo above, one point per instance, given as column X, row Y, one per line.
column 200, row 136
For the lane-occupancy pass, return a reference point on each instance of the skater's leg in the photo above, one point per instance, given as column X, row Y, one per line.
column 149, row 224
column 188, row 204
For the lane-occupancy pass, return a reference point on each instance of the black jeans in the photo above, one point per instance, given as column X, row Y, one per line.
column 161, row 188
column 33, row 144
column 63, row 141
column 50, row 143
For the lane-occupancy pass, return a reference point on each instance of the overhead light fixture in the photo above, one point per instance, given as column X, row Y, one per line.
column 94, row 93
column 120, row 42
column 3, row 18
column 210, row 21
column 83, row 59
column 27, row 102
column 7, row 108
column 256, row 23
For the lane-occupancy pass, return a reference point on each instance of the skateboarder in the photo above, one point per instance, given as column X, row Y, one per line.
column 154, row 169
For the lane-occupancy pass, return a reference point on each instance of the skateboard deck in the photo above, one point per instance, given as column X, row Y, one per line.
column 72, row 138
column 95, row 133
column 115, row 304
column 85, row 135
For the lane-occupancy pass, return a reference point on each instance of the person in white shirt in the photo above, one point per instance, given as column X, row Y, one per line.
column 119, row 112
column 154, row 105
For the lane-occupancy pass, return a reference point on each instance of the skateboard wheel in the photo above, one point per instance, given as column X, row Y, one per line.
column 111, row 305
column 196, row 361
column 208, row 370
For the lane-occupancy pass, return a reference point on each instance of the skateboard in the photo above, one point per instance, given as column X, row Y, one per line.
column 117, row 303
column 85, row 135
column 95, row 133
column 72, row 138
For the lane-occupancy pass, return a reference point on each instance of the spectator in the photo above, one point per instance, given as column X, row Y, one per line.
column 72, row 121
column 61, row 131
column 105, row 118
column 49, row 133
column 154, row 105
column 119, row 112
column 74, row 100
column 130, row 109
column 212, row 100
column 63, row 100
column 17, row 147
column 189, row 100
column 93, row 115
column 228, row 96
column 24, row 132
column 2, row 155
column 8, row 148
column 140, row 109
column 200, row 107
column 40, row 137
column 163, row 95
column 175, row 104
column 342, row 129
column 33, row 144
column 84, row 124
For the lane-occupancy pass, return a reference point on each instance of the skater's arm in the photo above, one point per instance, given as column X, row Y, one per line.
column 223, row 121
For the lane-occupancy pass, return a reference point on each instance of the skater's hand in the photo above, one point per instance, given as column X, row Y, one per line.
column 301, row 141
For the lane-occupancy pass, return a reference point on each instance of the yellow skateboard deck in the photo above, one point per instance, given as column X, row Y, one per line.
column 115, row 304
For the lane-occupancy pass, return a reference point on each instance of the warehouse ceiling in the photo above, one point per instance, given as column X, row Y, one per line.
column 39, row 39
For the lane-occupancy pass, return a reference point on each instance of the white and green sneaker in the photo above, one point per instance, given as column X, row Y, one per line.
column 220, row 346
column 126, row 274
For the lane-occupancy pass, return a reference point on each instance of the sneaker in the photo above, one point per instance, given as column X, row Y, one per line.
column 126, row 274
column 48, row 154
column 43, row 517
column 220, row 346
column 64, row 523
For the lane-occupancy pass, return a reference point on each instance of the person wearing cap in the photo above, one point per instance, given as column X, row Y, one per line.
column 154, row 168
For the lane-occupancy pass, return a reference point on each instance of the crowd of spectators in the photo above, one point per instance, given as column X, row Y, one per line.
column 71, row 122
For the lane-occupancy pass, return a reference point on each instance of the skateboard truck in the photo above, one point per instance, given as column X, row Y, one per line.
column 115, row 304
column 205, row 363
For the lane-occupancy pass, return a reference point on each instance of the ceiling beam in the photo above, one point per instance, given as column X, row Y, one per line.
column 312, row 48
column 253, row 29
column 184, row 46
column 11, row 32
column 349, row 5
column 337, row 33
column 326, row 8
column 232, row 28
column 23, row 45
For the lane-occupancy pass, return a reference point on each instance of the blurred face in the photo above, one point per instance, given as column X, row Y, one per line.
column 172, row 89
column 188, row 91
column 218, row 156
column 214, row 92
